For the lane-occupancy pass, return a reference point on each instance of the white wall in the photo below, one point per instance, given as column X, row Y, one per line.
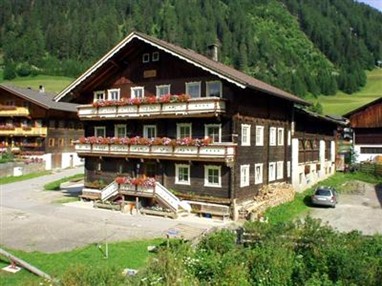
column 365, row 157
column 70, row 159
column 301, row 180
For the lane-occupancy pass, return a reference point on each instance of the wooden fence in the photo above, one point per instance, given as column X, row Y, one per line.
column 370, row 168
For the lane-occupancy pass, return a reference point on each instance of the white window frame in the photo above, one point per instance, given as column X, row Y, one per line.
column 288, row 169
column 289, row 137
column 206, row 182
column 193, row 84
column 116, row 128
column 259, row 135
column 145, row 58
column 208, row 83
column 98, row 95
column 280, row 136
column 207, row 126
column 279, row 170
column 137, row 88
column 97, row 129
column 258, row 179
column 244, row 175
column 110, row 93
column 155, row 56
column 159, row 87
column 146, row 131
column 272, row 136
column 178, row 128
column 177, row 173
column 245, row 135
column 272, row 171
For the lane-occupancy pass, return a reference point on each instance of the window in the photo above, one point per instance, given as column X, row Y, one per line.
column 113, row 94
column 51, row 142
column 245, row 135
column 149, row 131
column 244, row 175
column 259, row 135
column 183, row 130
column 61, row 124
column 280, row 170
column 145, row 57
column 61, row 142
column 371, row 150
column 272, row 136
column 213, row 88
column 99, row 96
column 137, row 92
column 193, row 89
column 26, row 104
column 163, row 90
column 272, row 171
column 280, row 136
column 258, row 173
column 120, row 130
column 212, row 176
column 10, row 103
column 213, row 131
column 288, row 169
column 155, row 56
column 99, row 131
column 182, row 174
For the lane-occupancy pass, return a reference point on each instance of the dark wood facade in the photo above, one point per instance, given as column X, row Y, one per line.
column 33, row 129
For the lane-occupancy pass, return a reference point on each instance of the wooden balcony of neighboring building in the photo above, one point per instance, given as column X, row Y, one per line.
column 195, row 107
column 13, row 111
column 215, row 152
column 23, row 131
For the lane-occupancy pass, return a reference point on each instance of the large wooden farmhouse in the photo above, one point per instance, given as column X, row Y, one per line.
column 32, row 124
column 366, row 121
column 161, row 120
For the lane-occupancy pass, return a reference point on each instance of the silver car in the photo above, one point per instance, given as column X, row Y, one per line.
column 325, row 196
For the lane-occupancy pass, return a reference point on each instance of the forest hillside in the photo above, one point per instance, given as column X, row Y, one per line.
column 307, row 47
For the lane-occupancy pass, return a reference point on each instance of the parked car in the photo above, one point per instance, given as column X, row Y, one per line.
column 325, row 196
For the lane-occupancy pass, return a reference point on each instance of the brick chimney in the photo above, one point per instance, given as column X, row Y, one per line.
column 213, row 51
column 41, row 89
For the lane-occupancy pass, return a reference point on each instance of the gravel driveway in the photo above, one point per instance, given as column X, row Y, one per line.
column 361, row 210
column 32, row 220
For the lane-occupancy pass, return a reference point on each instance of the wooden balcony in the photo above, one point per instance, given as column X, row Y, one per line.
column 197, row 107
column 13, row 111
column 217, row 152
column 22, row 131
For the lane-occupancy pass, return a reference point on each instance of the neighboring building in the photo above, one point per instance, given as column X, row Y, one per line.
column 366, row 121
column 32, row 124
column 229, row 139
column 313, row 148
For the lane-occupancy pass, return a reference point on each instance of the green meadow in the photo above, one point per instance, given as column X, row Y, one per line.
column 343, row 103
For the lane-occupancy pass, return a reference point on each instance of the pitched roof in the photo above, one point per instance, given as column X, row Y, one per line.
column 225, row 72
column 329, row 118
column 363, row 107
column 42, row 99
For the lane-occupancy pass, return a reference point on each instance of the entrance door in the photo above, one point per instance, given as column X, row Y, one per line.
column 150, row 169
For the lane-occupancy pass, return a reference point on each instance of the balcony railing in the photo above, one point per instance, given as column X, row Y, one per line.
column 215, row 152
column 13, row 111
column 193, row 107
column 22, row 131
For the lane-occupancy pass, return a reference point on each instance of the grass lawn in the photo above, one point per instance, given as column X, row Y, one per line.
column 53, row 84
column 300, row 204
column 55, row 185
column 343, row 103
column 12, row 179
column 129, row 254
